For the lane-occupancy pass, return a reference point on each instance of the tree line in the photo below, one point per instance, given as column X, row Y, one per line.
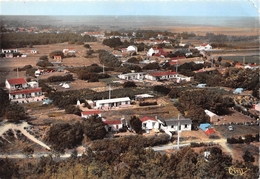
column 19, row 40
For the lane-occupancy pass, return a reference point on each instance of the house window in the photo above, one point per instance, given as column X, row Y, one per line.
column 172, row 126
column 13, row 96
column 116, row 126
column 186, row 125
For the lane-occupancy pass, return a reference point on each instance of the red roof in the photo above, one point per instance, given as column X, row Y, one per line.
column 111, row 122
column 177, row 58
column 146, row 118
column 26, row 91
column 17, row 81
column 210, row 131
column 162, row 73
column 91, row 112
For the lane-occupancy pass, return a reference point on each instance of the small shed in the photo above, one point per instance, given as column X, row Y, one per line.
column 207, row 128
column 238, row 91
column 213, row 117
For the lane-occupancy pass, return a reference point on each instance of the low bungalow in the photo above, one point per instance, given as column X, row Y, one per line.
column 204, row 47
column 132, row 76
column 87, row 114
column 161, row 75
column 109, row 103
column 149, row 123
column 156, row 52
column 9, row 51
column 113, row 125
column 172, row 125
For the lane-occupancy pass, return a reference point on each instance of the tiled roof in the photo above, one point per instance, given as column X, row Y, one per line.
column 111, row 122
column 16, row 81
column 92, row 112
column 26, row 91
column 162, row 73
column 146, row 118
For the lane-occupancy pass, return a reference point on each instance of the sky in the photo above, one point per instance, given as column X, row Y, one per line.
column 233, row 8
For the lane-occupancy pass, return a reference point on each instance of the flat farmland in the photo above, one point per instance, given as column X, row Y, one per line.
column 8, row 65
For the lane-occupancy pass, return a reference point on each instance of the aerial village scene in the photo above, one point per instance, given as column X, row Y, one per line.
column 121, row 96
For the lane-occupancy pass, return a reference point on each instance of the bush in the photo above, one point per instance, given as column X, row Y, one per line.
column 71, row 109
column 43, row 63
column 67, row 77
column 147, row 103
column 129, row 84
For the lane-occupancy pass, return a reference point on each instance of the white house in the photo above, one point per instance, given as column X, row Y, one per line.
column 16, row 83
column 109, row 103
column 149, row 123
column 9, row 50
column 132, row 76
column 87, row 114
column 26, row 95
column 161, row 75
column 152, row 51
column 132, row 49
column 172, row 125
column 113, row 125
column 204, row 47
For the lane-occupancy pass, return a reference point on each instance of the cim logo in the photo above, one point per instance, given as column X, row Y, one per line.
column 237, row 171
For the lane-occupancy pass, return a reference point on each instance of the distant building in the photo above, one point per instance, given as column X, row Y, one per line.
column 110, row 103
column 89, row 113
column 161, row 75
column 132, row 76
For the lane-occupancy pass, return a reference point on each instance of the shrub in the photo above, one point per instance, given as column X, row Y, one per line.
column 43, row 63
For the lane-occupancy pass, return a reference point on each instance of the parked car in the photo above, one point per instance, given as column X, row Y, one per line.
column 230, row 128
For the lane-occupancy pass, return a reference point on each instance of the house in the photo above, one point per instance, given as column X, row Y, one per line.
column 149, row 123
column 161, row 75
column 171, row 125
column 238, row 91
column 140, row 97
column 156, row 52
column 132, row 49
column 213, row 117
column 89, row 113
column 113, row 125
column 109, row 103
column 9, row 51
column 204, row 46
column 34, row 51
column 132, row 76
column 251, row 66
column 16, row 83
column 57, row 57
column 207, row 128
column 26, row 95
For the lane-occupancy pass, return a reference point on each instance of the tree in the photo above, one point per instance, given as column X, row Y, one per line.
column 64, row 135
column 128, row 84
column 15, row 112
column 4, row 98
column 44, row 57
column 248, row 157
column 28, row 151
column 94, row 128
column 136, row 124
column 219, row 59
column 71, row 109
column 56, row 53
